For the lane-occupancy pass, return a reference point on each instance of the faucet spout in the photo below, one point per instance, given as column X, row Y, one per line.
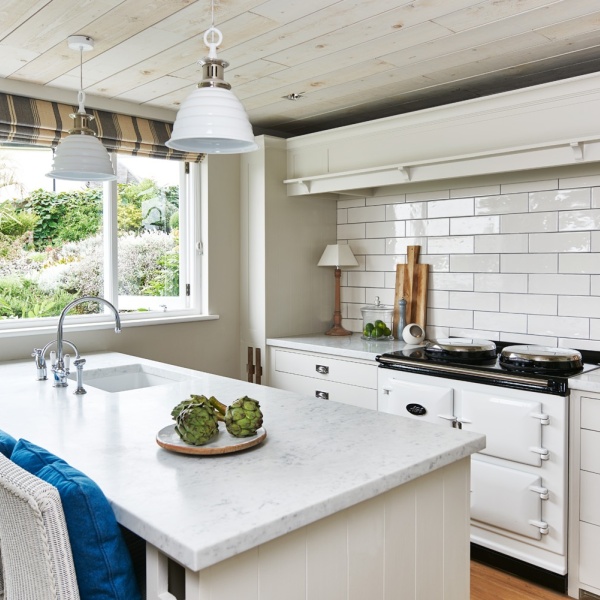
column 63, row 314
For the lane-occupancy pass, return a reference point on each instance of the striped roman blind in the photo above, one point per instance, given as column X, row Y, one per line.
column 43, row 123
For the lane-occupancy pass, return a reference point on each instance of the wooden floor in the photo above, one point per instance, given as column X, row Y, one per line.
column 490, row 584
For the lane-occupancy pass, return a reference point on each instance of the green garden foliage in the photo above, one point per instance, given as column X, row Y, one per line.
column 51, row 248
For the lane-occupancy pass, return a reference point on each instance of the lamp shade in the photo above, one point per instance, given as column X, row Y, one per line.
column 338, row 255
column 212, row 120
column 82, row 157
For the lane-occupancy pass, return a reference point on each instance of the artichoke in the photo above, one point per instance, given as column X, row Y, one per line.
column 243, row 417
column 196, row 421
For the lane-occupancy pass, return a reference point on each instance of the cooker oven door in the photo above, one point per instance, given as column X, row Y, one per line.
column 512, row 424
column 508, row 499
column 434, row 403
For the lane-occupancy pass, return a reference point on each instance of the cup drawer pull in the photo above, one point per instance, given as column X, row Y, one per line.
column 323, row 369
column 322, row 395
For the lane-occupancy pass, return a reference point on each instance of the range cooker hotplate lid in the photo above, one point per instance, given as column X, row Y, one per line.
column 541, row 359
column 461, row 349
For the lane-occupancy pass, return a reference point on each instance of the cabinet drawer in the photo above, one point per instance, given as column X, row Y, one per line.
column 589, row 497
column 326, row 368
column 590, row 413
column 589, row 557
column 590, row 450
column 329, row 390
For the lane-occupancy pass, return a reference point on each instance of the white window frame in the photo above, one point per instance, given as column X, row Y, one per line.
column 192, row 268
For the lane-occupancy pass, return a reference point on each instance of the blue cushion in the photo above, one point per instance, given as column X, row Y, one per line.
column 7, row 443
column 102, row 562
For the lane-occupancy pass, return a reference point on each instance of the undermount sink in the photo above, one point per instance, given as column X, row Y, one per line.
column 128, row 377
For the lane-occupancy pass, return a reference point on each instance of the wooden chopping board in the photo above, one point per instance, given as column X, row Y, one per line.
column 411, row 284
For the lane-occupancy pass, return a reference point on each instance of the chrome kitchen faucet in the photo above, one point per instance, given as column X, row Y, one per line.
column 61, row 363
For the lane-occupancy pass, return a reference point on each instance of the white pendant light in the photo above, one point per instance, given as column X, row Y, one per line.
column 212, row 120
column 81, row 155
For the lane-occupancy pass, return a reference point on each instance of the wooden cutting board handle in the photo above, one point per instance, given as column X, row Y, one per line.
column 411, row 284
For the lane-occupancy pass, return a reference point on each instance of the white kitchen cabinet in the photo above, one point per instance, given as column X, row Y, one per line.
column 351, row 381
column 283, row 291
column 584, row 496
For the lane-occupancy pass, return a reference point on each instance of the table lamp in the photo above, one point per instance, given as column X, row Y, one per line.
column 337, row 255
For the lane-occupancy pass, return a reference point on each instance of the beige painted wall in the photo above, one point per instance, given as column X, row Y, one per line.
column 204, row 345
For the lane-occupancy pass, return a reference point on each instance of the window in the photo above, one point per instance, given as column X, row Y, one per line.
column 134, row 242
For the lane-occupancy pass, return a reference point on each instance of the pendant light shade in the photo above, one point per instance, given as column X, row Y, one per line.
column 212, row 120
column 81, row 155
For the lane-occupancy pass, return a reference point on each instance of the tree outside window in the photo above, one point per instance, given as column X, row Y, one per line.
column 53, row 236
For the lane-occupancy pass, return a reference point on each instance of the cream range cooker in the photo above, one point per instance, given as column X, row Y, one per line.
column 518, row 398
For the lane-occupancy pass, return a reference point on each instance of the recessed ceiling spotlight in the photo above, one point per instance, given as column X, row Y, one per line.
column 294, row 96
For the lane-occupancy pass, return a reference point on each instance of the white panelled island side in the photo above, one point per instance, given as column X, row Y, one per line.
column 338, row 502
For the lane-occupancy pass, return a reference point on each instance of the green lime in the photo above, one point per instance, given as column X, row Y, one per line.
column 369, row 327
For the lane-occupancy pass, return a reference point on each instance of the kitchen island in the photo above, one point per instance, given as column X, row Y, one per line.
column 338, row 502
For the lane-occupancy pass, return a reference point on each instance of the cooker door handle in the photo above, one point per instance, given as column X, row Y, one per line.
column 544, row 419
column 542, row 491
column 543, row 527
column 543, row 452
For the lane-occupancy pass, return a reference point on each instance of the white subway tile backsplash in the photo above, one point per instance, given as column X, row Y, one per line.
column 579, row 306
column 529, row 263
column 501, row 205
column 424, row 196
column 427, row 227
column 532, row 304
column 351, row 232
column 588, row 263
column 451, row 281
column 380, row 262
column 475, row 263
column 388, row 229
column 509, row 243
column 437, row 332
column 386, row 199
column 525, row 338
column 494, row 282
column 438, row 298
column 529, row 186
column 474, row 225
column 410, row 210
column 457, row 244
column 500, row 321
column 474, row 301
column 482, row 190
column 529, row 222
column 368, row 246
column 557, row 284
column 572, row 327
column 399, row 245
column 352, row 294
column 366, row 279
column 579, row 241
column 559, row 200
column 461, row 207
column 366, row 214
column 351, row 202
column 577, row 220
column 449, row 318
column 517, row 261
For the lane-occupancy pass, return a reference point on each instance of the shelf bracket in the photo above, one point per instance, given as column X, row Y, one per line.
column 577, row 148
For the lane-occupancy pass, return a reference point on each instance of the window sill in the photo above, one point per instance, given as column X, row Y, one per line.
column 106, row 323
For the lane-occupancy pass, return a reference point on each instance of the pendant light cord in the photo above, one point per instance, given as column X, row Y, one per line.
column 81, row 93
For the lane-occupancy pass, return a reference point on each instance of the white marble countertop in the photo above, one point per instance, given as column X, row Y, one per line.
column 318, row 458
column 352, row 346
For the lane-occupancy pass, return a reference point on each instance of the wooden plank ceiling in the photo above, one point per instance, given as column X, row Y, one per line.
column 348, row 60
